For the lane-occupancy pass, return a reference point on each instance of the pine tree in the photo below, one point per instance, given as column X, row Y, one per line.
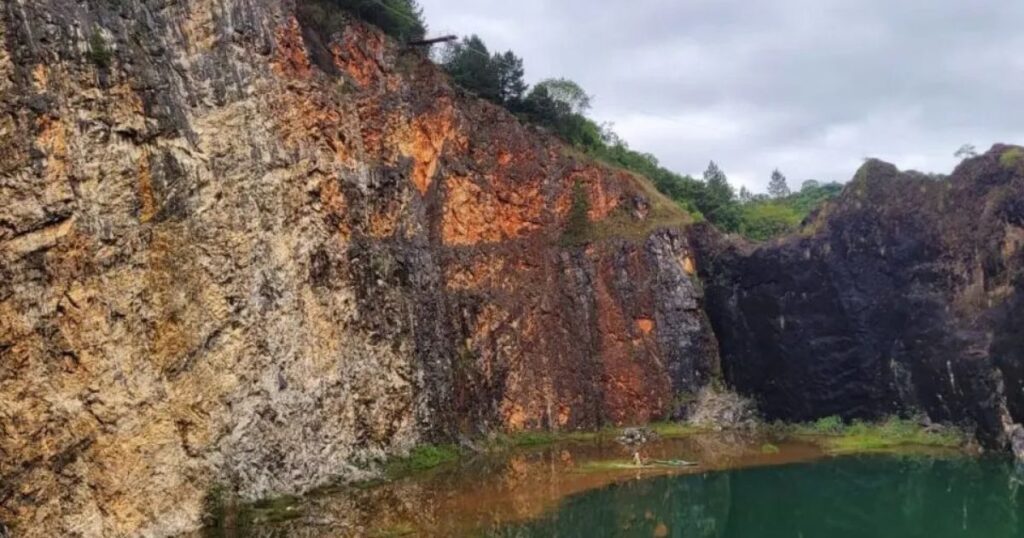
column 473, row 68
column 777, row 187
column 718, row 202
column 717, row 183
column 511, row 86
column 498, row 78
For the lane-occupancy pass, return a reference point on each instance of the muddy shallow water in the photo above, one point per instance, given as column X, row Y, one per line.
column 496, row 494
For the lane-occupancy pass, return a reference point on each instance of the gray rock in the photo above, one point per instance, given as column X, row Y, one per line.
column 1017, row 442
column 637, row 436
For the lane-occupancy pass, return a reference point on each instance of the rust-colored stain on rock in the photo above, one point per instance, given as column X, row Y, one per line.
column 287, row 255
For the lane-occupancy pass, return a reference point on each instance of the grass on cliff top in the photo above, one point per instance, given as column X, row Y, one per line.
column 1011, row 158
column 663, row 213
column 620, row 224
column 838, row 437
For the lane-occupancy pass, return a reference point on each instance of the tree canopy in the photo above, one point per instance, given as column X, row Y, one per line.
column 401, row 19
column 718, row 202
column 497, row 78
column 763, row 218
column 566, row 92
column 777, row 187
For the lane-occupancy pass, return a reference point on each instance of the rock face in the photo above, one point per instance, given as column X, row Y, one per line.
column 235, row 250
column 904, row 296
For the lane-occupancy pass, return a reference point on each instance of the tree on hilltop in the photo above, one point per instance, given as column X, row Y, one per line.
column 777, row 187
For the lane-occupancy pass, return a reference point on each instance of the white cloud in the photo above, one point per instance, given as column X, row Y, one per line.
column 810, row 86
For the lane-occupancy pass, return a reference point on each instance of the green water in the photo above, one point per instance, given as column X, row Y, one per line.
column 855, row 497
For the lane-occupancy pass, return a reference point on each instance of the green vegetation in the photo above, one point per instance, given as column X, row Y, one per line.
column 832, row 433
column 777, row 186
column 560, row 106
column 762, row 218
column 99, row 54
column 966, row 151
column 765, row 220
column 578, row 223
column 663, row 213
column 831, row 425
column 422, row 458
column 497, row 78
column 499, row 442
column 401, row 19
column 892, row 433
column 1011, row 158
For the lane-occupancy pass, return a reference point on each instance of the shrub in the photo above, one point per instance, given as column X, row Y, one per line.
column 765, row 220
column 1011, row 158
column 577, row 226
column 829, row 425
column 99, row 54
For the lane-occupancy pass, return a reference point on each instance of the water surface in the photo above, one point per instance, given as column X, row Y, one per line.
column 854, row 497
column 742, row 487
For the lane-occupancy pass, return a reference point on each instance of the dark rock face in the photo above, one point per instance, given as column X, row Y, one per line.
column 902, row 297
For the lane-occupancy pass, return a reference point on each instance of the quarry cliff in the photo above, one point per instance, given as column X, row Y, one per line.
column 237, row 250
column 905, row 296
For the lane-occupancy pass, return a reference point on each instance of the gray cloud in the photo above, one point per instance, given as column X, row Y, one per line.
column 810, row 86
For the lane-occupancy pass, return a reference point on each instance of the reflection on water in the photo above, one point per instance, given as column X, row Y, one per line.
column 876, row 496
column 738, row 490
column 489, row 491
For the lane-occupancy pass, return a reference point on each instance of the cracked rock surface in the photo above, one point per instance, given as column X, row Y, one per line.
column 240, row 252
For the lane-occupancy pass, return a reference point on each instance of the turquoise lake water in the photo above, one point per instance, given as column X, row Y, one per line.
column 851, row 497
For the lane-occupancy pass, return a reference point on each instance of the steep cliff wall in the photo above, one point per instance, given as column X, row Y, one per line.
column 904, row 296
column 235, row 250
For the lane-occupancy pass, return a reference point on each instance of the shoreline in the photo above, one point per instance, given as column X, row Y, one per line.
column 520, row 477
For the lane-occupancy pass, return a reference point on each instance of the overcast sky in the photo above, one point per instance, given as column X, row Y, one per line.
column 809, row 86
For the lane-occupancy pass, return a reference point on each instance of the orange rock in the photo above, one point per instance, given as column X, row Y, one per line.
column 291, row 59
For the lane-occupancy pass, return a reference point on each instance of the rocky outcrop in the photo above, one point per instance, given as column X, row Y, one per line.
column 235, row 250
column 905, row 296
